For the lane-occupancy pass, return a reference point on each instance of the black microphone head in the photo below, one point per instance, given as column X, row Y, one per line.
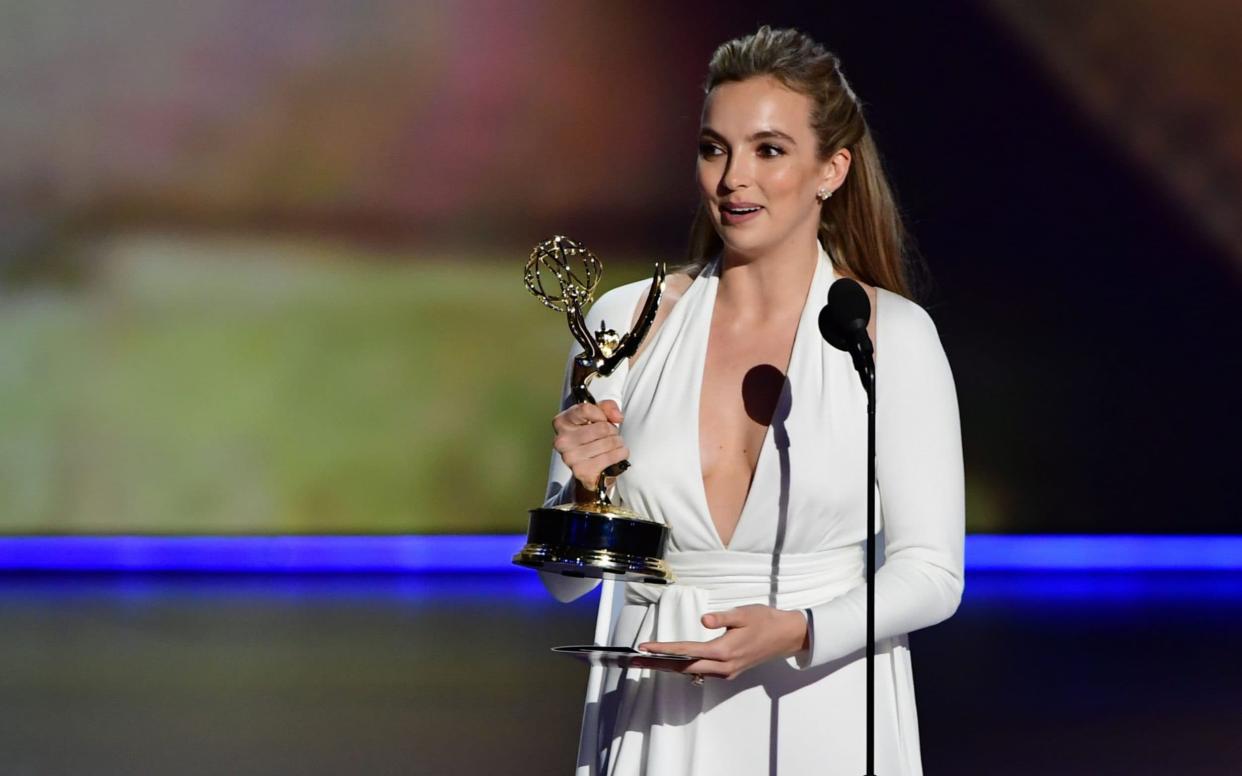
column 844, row 320
column 828, row 329
column 851, row 309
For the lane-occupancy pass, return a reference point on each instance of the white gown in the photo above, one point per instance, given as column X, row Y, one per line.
column 798, row 544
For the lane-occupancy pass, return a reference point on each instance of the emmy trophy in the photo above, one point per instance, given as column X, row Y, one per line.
column 597, row 538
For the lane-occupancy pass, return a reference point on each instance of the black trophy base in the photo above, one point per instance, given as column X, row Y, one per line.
column 595, row 541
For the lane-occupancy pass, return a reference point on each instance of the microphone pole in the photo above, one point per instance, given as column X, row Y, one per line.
column 843, row 323
column 869, row 382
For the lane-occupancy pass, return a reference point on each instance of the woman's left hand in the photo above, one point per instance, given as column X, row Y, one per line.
column 756, row 634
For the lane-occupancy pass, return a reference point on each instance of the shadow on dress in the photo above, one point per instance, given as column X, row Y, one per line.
column 780, row 435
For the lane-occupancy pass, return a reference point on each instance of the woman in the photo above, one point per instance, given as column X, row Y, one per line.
column 747, row 436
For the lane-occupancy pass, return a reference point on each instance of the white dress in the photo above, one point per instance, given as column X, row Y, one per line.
column 798, row 544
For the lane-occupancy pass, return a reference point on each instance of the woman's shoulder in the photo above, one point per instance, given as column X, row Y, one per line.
column 907, row 335
column 621, row 305
column 619, row 308
column 615, row 304
column 900, row 315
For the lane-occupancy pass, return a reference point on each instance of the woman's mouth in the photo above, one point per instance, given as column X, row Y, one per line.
column 732, row 213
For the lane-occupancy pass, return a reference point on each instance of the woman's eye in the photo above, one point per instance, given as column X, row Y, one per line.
column 707, row 150
column 767, row 149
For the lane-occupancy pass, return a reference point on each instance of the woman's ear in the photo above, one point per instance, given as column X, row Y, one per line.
column 835, row 168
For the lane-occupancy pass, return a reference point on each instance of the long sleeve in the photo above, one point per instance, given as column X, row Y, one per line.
column 560, row 488
column 921, row 491
column 615, row 309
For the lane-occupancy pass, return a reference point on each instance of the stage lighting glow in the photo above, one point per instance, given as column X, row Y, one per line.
column 492, row 553
column 260, row 553
column 1120, row 552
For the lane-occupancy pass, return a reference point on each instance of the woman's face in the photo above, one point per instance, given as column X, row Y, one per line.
column 758, row 167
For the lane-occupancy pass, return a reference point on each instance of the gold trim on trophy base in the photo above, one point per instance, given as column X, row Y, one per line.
column 598, row 508
column 595, row 564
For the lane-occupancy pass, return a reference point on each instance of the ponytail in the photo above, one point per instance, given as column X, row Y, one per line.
column 861, row 227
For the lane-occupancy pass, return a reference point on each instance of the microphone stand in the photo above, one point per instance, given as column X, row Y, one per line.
column 868, row 377
column 843, row 324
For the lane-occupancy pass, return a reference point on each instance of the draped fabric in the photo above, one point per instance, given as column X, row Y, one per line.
column 798, row 545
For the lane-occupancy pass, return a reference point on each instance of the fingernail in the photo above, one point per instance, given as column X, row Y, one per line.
column 624, row 465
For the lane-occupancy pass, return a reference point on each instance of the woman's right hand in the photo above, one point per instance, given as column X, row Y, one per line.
column 588, row 440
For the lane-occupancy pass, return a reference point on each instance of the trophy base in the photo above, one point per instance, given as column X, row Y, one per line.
column 596, row 541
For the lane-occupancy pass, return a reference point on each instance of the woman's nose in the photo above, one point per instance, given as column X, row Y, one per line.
column 735, row 177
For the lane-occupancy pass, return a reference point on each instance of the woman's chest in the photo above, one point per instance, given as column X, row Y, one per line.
column 803, row 437
column 743, row 376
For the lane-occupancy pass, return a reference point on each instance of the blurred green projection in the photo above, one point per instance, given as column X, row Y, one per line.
column 254, row 386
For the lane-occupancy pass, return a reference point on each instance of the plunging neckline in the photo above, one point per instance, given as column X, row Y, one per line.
column 767, row 433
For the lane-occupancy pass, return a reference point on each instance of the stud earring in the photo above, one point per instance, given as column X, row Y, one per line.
column 823, row 194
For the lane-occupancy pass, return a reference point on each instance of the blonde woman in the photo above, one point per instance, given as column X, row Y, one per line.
column 747, row 437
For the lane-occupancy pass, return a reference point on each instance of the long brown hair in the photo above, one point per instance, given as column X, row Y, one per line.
column 859, row 224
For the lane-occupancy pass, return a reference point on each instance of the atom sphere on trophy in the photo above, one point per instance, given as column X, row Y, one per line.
column 575, row 271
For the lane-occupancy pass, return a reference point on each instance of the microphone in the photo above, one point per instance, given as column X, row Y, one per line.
column 843, row 323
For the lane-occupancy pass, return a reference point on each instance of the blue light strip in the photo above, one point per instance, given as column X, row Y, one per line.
column 1111, row 552
column 259, row 553
column 483, row 553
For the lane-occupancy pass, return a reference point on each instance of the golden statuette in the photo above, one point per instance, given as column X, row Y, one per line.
column 596, row 538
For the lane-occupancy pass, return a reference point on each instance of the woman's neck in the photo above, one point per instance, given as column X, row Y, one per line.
column 754, row 288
